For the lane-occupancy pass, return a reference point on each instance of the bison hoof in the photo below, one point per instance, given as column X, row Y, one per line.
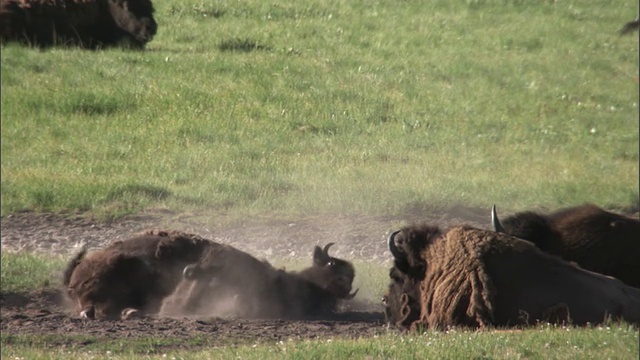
column 88, row 313
column 130, row 313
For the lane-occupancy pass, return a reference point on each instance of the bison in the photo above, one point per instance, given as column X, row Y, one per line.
column 630, row 27
column 131, row 276
column 597, row 240
column 89, row 24
column 258, row 290
column 478, row 278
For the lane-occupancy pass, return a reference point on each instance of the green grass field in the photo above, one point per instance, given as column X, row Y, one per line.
column 291, row 108
column 355, row 106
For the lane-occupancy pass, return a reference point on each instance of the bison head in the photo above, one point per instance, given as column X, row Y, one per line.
column 136, row 18
column 406, row 246
column 330, row 273
column 528, row 226
column 105, row 283
column 401, row 301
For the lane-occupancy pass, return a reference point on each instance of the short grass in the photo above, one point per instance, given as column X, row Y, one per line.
column 306, row 106
column 614, row 341
column 22, row 272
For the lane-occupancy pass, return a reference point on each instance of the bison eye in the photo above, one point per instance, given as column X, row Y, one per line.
column 384, row 300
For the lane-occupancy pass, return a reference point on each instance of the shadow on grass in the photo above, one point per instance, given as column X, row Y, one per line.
column 241, row 45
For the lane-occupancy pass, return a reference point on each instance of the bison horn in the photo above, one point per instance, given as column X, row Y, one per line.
column 189, row 272
column 495, row 223
column 352, row 295
column 392, row 246
column 326, row 248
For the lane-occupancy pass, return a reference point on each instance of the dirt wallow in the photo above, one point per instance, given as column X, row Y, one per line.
column 129, row 278
column 195, row 275
column 358, row 237
column 44, row 312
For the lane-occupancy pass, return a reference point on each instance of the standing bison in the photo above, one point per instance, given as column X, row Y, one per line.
column 132, row 275
column 85, row 23
column 477, row 278
column 596, row 239
column 258, row 290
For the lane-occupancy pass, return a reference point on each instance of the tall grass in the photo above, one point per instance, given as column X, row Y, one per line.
column 296, row 107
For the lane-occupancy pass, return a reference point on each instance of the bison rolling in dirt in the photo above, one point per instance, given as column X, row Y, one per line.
column 131, row 275
column 258, row 290
column 595, row 239
column 477, row 278
column 85, row 23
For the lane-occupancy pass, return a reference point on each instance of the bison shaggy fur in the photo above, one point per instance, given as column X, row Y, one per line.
column 477, row 278
column 85, row 23
column 133, row 274
column 597, row 240
column 259, row 290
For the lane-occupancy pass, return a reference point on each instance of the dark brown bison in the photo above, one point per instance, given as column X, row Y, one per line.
column 86, row 23
column 402, row 299
column 477, row 278
column 630, row 27
column 132, row 275
column 595, row 239
column 258, row 290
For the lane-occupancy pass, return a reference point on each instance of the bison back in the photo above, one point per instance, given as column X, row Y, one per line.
column 530, row 284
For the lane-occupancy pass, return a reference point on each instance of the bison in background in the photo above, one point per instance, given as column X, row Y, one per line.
column 476, row 278
column 85, row 23
column 595, row 239
column 630, row 27
column 131, row 276
column 258, row 290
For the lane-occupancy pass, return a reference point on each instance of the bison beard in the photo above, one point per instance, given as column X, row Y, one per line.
column 596, row 239
column 401, row 301
column 477, row 278
column 90, row 24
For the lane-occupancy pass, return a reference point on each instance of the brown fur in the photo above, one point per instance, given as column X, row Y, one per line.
column 402, row 300
column 85, row 23
column 136, row 273
column 477, row 278
column 596, row 239
column 261, row 291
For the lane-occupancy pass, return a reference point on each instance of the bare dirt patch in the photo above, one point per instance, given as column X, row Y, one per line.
column 363, row 238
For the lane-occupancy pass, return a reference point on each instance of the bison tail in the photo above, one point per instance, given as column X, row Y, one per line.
column 71, row 266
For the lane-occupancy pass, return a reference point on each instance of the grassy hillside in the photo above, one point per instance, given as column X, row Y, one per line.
column 308, row 106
